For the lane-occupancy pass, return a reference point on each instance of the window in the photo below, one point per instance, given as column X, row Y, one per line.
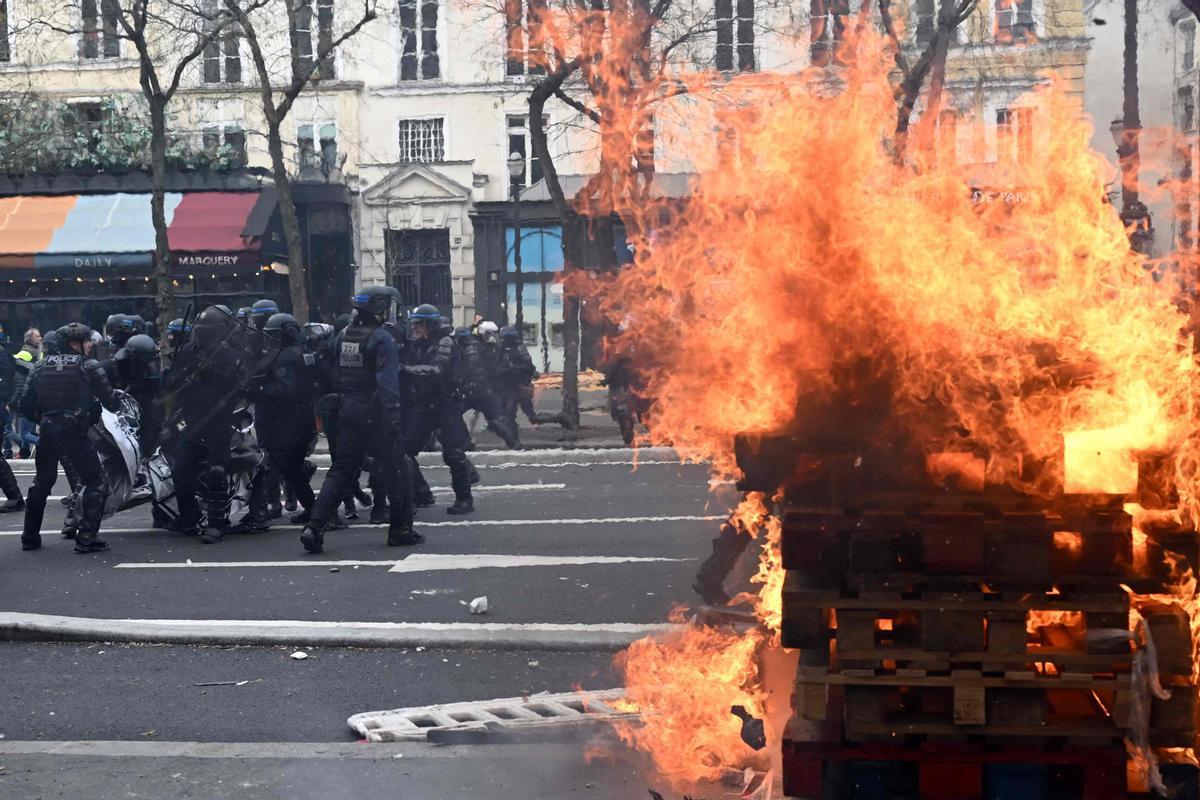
column 302, row 38
column 925, row 20
column 418, row 40
column 1188, row 29
column 418, row 264
column 99, row 38
column 1014, row 20
column 735, row 32
column 222, row 59
column 523, row 20
column 89, row 117
column 5, row 51
column 1014, row 135
column 421, row 141
column 1187, row 109
column 317, row 145
column 225, row 145
column 828, row 29
column 518, row 142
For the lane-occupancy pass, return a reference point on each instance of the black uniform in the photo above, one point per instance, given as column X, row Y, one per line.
column 431, row 366
column 141, row 381
column 205, row 384
column 283, row 417
column 63, row 395
column 513, row 380
column 475, row 388
column 369, row 418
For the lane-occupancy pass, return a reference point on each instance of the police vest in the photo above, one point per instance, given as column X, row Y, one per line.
column 62, row 384
column 356, row 363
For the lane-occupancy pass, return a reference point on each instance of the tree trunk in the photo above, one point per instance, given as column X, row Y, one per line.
column 297, row 269
column 164, row 289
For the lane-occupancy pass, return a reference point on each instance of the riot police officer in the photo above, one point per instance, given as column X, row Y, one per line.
column 135, row 370
column 475, row 387
column 284, row 417
column 370, row 414
column 63, row 396
column 513, row 379
column 431, row 363
column 204, row 382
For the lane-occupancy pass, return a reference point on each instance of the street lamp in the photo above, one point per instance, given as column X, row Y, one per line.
column 516, row 171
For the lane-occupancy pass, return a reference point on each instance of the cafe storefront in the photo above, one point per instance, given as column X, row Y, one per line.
column 86, row 256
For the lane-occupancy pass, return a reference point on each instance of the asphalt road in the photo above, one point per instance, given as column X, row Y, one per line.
column 572, row 508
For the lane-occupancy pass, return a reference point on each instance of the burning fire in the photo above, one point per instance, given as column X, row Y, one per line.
column 811, row 271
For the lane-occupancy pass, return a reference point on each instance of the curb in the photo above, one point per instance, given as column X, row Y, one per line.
column 21, row 627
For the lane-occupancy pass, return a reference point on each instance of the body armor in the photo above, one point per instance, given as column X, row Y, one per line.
column 356, row 364
column 62, row 384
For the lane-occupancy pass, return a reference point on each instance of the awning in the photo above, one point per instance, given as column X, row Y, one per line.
column 83, row 235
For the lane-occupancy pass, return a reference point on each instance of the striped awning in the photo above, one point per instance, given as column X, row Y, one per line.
column 113, row 233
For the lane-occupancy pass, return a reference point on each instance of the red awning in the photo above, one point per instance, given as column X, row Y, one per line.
column 211, row 222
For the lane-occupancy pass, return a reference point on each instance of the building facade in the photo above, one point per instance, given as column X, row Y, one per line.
column 404, row 145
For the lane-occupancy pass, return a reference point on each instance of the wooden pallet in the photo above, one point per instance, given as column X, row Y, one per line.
column 1029, row 547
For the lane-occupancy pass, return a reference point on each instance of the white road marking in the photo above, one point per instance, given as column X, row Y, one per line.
column 437, row 562
column 467, row 523
column 420, row 562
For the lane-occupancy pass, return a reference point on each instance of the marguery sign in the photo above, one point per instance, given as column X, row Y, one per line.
column 210, row 260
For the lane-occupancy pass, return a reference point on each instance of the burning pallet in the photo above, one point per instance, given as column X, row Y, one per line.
column 971, row 642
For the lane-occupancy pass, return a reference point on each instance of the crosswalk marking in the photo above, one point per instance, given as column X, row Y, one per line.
column 469, row 523
column 420, row 562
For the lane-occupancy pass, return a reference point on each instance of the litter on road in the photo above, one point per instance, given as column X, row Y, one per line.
column 299, row 655
column 479, row 605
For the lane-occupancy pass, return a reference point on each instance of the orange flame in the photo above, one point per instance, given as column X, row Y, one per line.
column 810, row 270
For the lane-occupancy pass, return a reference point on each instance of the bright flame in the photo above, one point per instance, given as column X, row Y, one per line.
column 684, row 685
column 812, row 285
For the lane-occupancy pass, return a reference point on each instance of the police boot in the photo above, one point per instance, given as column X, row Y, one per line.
column 71, row 524
column 403, row 536
column 350, row 509
column 8, row 482
column 289, row 500
column 186, row 523
column 380, row 512
column 89, row 542
column 312, row 539
column 365, row 500
column 31, row 535
column 217, row 500
column 462, row 505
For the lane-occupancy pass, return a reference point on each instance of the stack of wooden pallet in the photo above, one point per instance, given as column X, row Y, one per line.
column 966, row 645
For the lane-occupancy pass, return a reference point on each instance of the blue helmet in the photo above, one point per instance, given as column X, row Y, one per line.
column 425, row 311
column 510, row 333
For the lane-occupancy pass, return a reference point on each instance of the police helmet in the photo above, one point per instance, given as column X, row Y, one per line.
column 140, row 347
column 487, row 329
column 52, row 343
column 212, row 326
column 463, row 332
column 286, row 326
column 75, row 332
column 176, row 326
column 137, row 324
column 315, row 332
column 264, row 308
column 113, row 324
column 425, row 311
column 509, row 333
column 224, row 309
column 341, row 322
column 243, row 313
column 374, row 300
